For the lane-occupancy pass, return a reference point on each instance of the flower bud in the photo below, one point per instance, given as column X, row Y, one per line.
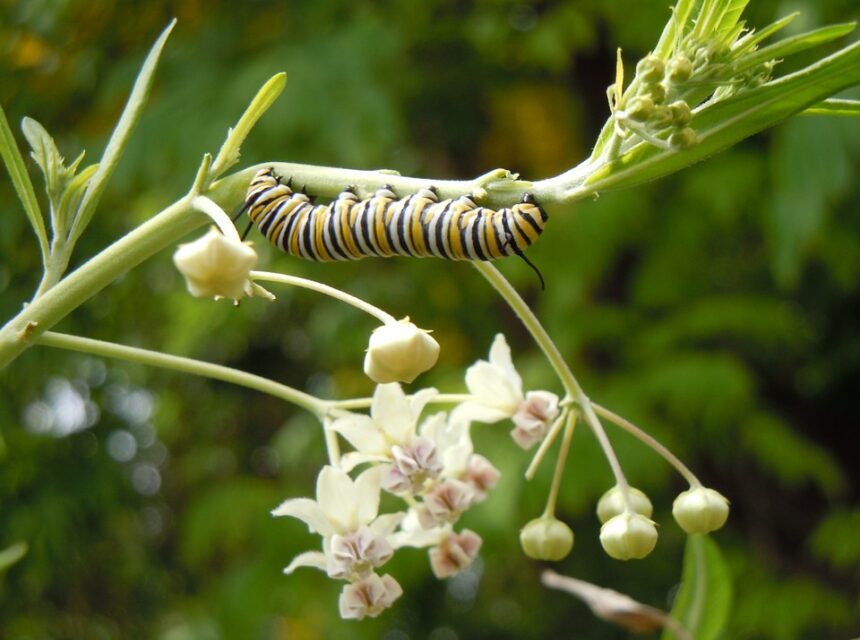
column 650, row 69
column 546, row 538
column 657, row 92
column 214, row 265
column 660, row 117
column 684, row 138
column 640, row 108
column 399, row 352
column 628, row 536
column 679, row 69
column 612, row 503
column 681, row 114
column 700, row 510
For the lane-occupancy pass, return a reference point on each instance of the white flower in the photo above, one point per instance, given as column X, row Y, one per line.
column 392, row 421
column 355, row 540
column 215, row 265
column 399, row 352
column 368, row 597
column 533, row 417
column 497, row 393
column 454, row 553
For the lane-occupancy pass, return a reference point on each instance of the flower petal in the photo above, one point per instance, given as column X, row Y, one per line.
column 352, row 459
column 308, row 512
column 314, row 559
column 500, row 357
column 336, row 497
column 361, row 432
column 390, row 411
column 366, row 496
column 492, row 387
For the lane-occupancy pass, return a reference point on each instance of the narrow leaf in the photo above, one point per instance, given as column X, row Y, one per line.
column 229, row 152
column 834, row 107
column 11, row 555
column 46, row 155
column 119, row 138
column 679, row 23
column 731, row 16
column 794, row 44
column 21, row 181
column 71, row 198
column 704, row 600
column 726, row 123
column 753, row 38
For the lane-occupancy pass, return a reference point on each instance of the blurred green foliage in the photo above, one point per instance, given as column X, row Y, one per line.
column 719, row 309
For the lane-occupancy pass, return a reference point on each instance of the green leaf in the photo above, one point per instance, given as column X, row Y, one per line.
column 727, row 122
column 11, row 555
column 229, row 152
column 794, row 44
column 834, row 107
column 23, row 185
column 678, row 24
column 72, row 195
column 705, row 597
column 119, row 138
column 753, row 38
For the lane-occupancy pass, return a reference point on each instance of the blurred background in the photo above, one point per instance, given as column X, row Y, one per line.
column 719, row 309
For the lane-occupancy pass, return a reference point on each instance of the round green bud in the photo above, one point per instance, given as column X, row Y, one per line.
column 660, row 117
column 681, row 113
column 546, row 538
column 700, row 510
column 640, row 108
column 650, row 69
column 612, row 503
column 684, row 138
column 679, row 69
column 628, row 536
column 657, row 92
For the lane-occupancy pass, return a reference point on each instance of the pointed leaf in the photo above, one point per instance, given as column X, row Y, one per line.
column 47, row 156
column 71, row 198
column 23, row 185
column 119, row 138
column 753, row 38
column 704, row 600
column 795, row 44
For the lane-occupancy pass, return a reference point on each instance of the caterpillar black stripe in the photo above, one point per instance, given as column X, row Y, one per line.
column 419, row 225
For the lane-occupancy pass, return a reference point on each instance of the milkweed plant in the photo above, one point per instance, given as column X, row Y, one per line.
column 709, row 82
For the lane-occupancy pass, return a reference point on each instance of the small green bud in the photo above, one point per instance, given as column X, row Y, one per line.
column 684, row 139
column 681, row 113
column 612, row 504
column 546, row 538
column 650, row 69
column 679, row 69
column 657, row 92
column 700, row 510
column 660, row 117
column 628, row 536
column 640, row 108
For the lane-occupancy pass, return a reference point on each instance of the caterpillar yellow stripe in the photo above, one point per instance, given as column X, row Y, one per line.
column 419, row 225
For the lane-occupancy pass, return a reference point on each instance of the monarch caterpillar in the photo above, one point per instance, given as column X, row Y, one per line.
column 419, row 225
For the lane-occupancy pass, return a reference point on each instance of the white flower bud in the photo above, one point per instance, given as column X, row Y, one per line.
column 368, row 597
column 454, row 553
column 546, row 538
column 700, row 510
column 215, row 265
column 628, row 536
column 612, row 503
column 399, row 352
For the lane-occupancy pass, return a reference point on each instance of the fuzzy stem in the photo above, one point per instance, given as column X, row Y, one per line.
column 186, row 365
column 551, row 500
column 364, row 403
column 313, row 285
column 631, row 428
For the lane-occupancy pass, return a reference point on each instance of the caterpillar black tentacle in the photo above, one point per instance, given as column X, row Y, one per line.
column 418, row 225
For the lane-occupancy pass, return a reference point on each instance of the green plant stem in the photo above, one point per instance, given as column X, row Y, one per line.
column 631, row 428
column 551, row 500
column 568, row 381
column 363, row 403
column 186, row 365
column 313, row 285
column 545, row 444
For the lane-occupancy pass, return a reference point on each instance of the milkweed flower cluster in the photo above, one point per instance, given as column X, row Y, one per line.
column 428, row 462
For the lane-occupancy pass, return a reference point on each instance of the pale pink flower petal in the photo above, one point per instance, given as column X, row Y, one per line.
column 454, row 553
column 368, row 597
